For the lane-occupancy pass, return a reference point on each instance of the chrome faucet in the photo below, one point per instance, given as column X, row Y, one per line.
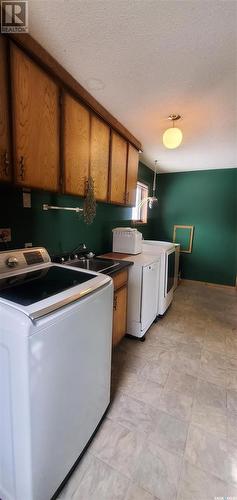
column 79, row 248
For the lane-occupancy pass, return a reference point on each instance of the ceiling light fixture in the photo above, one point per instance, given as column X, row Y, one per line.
column 173, row 136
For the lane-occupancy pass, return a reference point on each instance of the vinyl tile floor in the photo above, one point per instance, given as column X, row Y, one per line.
column 171, row 430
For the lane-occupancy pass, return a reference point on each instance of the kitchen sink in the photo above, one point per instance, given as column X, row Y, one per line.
column 94, row 264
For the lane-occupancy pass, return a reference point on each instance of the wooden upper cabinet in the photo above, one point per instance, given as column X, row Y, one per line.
column 118, row 168
column 132, row 169
column 76, row 146
column 35, row 99
column 99, row 157
column 5, row 151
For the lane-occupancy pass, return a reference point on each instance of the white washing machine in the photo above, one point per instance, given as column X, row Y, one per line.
column 143, row 292
column 55, row 361
column 166, row 251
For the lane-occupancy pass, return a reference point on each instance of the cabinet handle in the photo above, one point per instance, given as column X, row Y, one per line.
column 22, row 168
column 115, row 302
column 6, row 164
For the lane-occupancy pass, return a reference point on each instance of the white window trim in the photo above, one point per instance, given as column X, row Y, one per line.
column 140, row 213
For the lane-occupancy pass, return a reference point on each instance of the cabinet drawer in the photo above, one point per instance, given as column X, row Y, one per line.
column 120, row 279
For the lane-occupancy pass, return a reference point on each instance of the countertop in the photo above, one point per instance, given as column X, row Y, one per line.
column 115, row 255
column 139, row 259
column 118, row 258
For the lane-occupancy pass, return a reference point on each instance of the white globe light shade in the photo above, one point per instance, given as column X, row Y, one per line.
column 172, row 138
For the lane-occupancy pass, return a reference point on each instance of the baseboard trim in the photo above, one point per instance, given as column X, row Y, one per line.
column 215, row 285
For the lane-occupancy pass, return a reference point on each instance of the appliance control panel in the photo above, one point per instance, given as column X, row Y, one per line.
column 21, row 259
column 34, row 257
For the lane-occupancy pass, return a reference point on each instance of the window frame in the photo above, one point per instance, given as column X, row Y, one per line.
column 143, row 211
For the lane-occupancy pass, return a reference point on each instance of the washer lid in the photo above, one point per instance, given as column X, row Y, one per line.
column 47, row 288
column 33, row 286
column 160, row 245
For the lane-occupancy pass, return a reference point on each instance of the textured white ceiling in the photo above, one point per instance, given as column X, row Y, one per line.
column 145, row 59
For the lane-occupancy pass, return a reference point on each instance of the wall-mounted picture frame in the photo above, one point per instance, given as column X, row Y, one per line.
column 184, row 236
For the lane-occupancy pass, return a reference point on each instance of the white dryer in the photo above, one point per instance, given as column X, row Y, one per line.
column 166, row 251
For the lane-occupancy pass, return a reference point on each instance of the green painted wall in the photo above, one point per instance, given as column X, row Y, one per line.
column 208, row 200
column 63, row 231
column 205, row 199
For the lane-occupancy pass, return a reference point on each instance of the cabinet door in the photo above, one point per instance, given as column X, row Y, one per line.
column 5, row 158
column 35, row 99
column 76, row 146
column 99, row 161
column 132, row 169
column 120, row 315
column 149, row 299
column 118, row 168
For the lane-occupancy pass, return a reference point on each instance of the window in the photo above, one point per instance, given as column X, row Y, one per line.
column 139, row 212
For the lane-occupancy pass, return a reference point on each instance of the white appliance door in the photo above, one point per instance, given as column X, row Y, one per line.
column 176, row 269
column 70, row 365
column 169, row 271
column 149, row 292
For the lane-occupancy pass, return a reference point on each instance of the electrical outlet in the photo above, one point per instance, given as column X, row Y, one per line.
column 5, row 235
